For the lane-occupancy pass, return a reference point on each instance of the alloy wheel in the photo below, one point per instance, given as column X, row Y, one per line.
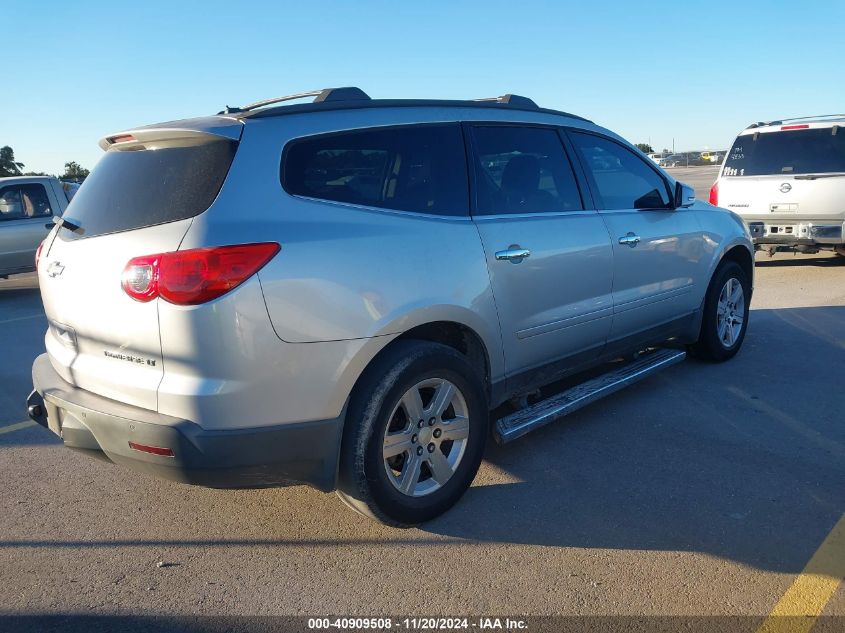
column 426, row 437
column 730, row 313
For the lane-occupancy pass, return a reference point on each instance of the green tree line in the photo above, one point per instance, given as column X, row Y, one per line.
column 10, row 167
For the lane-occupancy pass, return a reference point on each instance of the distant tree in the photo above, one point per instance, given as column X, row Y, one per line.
column 74, row 171
column 8, row 165
column 35, row 173
column 645, row 148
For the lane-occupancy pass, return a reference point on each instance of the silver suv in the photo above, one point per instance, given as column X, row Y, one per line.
column 339, row 293
column 786, row 179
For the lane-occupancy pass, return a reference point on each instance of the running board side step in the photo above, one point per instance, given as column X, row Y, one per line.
column 557, row 406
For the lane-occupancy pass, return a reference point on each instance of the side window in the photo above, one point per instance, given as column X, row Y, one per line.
column 622, row 179
column 420, row 168
column 20, row 202
column 522, row 170
column 11, row 206
column 36, row 204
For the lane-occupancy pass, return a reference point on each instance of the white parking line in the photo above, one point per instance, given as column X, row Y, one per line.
column 17, row 426
column 24, row 318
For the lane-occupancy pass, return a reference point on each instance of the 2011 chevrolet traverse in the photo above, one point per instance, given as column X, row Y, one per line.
column 339, row 293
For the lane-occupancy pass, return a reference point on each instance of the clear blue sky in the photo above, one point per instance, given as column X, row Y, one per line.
column 695, row 71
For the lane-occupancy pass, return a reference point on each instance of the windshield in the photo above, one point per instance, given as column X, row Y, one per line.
column 134, row 189
column 809, row 151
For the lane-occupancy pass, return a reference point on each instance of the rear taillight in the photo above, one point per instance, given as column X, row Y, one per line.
column 38, row 254
column 140, row 277
column 194, row 276
column 714, row 194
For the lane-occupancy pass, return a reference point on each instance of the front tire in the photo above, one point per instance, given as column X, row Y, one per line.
column 414, row 434
column 725, row 319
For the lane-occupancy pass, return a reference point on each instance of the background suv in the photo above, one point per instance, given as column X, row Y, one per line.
column 27, row 207
column 338, row 293
column 787, row 181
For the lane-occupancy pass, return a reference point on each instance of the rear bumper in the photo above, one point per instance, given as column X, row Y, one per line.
column 795, row 231
column 285, row 454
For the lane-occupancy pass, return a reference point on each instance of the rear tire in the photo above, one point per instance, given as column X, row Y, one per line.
column 725, row 318
column 395, row 470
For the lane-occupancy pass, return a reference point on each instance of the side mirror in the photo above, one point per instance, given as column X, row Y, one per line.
column 684, row 195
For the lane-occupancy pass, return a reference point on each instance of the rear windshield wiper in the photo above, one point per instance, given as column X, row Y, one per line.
column 837, row 174
column 66, row 224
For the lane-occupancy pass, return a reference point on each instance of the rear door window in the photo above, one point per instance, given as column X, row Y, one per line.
column 132, row 189
column 522, row 170
column 415, row 168
column 621, row 178
column 802, row 151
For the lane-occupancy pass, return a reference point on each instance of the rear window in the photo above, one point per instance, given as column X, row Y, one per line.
column 420, row 168
column 134, row 189
column 811, row 151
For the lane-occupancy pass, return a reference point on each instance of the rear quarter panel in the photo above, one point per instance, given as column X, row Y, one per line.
column 225, row 368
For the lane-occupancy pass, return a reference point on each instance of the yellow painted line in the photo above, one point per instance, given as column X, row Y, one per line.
column 803, row 602
column 17, row 427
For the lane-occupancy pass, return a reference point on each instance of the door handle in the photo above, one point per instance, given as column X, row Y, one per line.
column 514, row 253
column 630, row 240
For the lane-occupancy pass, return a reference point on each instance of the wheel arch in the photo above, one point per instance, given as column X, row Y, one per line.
column 742, row 256
column 459, row 337
column 455, row 334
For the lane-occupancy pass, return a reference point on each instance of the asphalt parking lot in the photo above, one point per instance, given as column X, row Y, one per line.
column 704, row 490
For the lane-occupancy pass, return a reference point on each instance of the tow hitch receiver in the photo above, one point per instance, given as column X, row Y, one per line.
column 36, row 409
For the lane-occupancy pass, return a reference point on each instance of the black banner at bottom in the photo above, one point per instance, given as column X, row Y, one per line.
column 64, row 623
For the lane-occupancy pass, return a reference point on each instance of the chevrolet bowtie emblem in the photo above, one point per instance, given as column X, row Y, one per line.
column 55, row 269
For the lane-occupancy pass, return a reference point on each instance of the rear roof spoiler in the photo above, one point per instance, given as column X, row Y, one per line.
column 227, row 128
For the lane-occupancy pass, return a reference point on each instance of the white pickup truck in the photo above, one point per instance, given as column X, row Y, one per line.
column 27, row 207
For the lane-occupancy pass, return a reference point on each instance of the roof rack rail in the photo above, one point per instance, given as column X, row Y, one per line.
column 515, row 100
column 349, row 93
column 797, row 118
column 355, row 98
